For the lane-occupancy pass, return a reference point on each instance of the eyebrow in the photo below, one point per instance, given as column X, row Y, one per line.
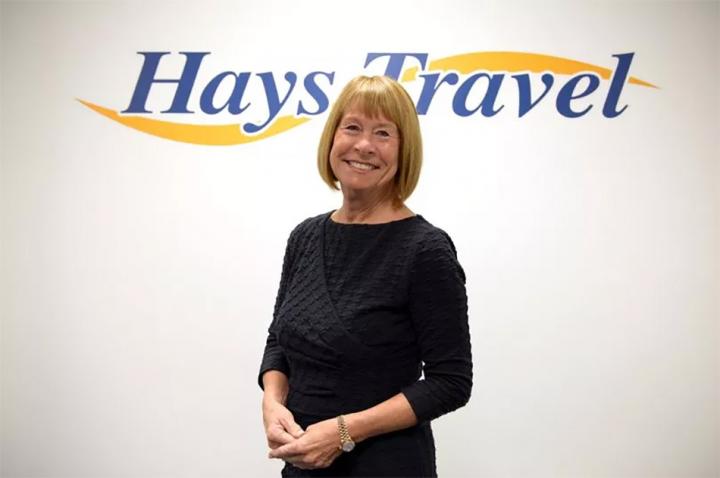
column 380, row 125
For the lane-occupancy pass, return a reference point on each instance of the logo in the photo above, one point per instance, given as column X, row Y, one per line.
column 476, row 81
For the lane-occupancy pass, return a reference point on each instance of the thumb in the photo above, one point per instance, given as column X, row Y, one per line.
column 292, row 428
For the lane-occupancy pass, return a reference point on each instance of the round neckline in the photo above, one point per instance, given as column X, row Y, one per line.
column 365, row 224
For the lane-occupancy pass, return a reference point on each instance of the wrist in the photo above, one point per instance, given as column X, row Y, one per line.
column 356, row 427
column 347, row 442
column 272, row 397
column 269, row 401
column 275, row 387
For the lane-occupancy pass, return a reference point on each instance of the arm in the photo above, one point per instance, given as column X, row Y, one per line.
column 280, row 425
column 393, row 414
column 273, row 357
column 438, row 307
column 275, row 386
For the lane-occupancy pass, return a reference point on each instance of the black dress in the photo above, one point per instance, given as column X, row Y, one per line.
column 363, row 311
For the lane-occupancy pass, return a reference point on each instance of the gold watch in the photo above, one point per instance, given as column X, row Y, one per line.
column 346, row 442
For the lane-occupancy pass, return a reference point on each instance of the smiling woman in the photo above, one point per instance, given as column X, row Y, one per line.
column 371, row 298
column 374, row 123
column 364, row 153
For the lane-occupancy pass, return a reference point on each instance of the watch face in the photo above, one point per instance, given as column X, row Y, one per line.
column 348, row 446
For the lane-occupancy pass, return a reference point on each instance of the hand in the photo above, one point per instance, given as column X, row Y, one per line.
column 280, row 426
column 316, row 448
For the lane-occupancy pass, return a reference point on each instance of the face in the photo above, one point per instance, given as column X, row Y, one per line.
column 364, row 154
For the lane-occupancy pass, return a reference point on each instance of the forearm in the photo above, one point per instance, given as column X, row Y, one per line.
column 393, row 414
column 275, row 386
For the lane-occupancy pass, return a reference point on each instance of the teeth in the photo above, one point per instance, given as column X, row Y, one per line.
column 366, row 167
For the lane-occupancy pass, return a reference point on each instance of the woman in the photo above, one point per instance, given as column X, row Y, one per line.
column 371, row 295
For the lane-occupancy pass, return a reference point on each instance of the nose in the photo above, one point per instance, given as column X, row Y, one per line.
column 364, row 144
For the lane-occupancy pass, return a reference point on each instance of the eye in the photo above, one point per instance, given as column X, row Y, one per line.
column 351, row 127
column 382, row 132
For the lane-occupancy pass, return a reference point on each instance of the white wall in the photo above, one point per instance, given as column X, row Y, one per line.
column 139, row 274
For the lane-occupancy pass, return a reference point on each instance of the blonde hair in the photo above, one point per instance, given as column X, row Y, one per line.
column 375, row 96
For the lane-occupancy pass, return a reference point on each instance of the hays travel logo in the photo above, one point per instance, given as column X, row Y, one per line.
column 280, row 102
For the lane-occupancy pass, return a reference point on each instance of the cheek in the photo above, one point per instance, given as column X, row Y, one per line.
column 337, row 148
column 393, row 158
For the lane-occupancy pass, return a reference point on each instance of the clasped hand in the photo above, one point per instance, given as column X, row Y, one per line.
column 316, row 447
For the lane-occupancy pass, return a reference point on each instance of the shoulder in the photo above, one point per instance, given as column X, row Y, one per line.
column 307, row 227
column 434, row 253
column 429, row 237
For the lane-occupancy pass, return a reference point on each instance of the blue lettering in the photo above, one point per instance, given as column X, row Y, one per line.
column 273, row 99
column 396, row 61
column 317, row 94
column 315, row 100
column 430, row 87
column 147, row 78
column 616, row 85
column 526, row 103
column 567, row 94
column 233, row 103
column 487, row 104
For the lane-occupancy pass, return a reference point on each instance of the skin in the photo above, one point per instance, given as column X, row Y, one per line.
column 369, row 198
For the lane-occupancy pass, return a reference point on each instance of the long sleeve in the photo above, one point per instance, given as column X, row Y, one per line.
column 273, row 357
column 438, row 308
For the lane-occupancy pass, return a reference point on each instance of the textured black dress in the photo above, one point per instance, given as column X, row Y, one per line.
column 362, row 311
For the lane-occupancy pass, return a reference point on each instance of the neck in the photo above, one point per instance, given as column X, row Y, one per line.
column 368, row 208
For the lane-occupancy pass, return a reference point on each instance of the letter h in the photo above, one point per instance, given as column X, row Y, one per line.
column 147, row 78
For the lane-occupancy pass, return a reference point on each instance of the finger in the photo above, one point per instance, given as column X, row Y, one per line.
column 292, row 427
column 279, row 435
column 303, row 466
column 298, row 461
column 288, row 451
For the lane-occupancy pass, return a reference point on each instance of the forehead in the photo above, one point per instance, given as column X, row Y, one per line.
column 362, row 112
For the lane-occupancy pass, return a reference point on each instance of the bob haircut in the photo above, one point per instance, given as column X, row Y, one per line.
column 375, row 96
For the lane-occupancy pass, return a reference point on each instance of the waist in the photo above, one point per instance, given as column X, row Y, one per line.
column 316, row 407
column 328, row 393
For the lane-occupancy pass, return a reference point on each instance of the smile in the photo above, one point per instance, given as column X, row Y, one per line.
column 361, row 166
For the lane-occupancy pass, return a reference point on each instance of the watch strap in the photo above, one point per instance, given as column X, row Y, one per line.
column 345, row 438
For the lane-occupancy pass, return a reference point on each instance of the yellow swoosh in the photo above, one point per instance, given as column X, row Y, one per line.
column 514, row 61
column 213, row 135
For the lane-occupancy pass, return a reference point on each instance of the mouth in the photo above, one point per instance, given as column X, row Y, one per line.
column 357, row 165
